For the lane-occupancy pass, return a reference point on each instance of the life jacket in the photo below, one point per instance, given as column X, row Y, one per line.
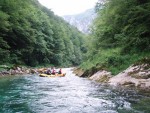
column 53, row 71
column 60, row 71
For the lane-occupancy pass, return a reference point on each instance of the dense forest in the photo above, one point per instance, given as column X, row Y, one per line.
column 120, row 35
column 32, row 35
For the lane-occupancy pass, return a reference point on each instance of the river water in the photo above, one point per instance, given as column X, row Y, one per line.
column 69, row 94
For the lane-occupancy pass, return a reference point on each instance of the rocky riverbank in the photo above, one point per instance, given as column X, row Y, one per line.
column 137, row 76
column 15, row 70
column 19, row 70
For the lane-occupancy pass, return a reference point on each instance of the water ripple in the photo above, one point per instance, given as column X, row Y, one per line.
column 70, row 94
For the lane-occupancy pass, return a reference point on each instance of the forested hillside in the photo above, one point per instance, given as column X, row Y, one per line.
column 120, row 35
column 31, row 34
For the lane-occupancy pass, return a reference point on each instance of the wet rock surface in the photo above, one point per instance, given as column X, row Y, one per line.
column 22, row 70
column 78, row 71
column 137, row 76
column 101, row 76
column 14, row 71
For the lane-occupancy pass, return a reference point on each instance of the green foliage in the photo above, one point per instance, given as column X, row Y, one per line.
column 111, row 60
column 120, row 35
column 4, row 55
column 31, row 34
column 122, row 21
column 4, row 22
column 98, row 57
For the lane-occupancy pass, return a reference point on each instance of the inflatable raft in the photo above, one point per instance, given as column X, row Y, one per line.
column 56, row 75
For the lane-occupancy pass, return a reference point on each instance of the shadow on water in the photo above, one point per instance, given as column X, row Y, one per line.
column 69, row 94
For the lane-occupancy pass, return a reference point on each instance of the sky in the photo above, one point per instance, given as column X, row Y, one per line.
column 68, row 7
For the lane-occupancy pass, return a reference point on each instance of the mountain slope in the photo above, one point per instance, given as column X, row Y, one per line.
column 81, row 21
column 30, row 34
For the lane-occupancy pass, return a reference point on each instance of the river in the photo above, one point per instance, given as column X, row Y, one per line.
column 69, row 94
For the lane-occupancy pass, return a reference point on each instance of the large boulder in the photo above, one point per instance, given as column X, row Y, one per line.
column 101, row 76
column 78, row 71
column 136, row 75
